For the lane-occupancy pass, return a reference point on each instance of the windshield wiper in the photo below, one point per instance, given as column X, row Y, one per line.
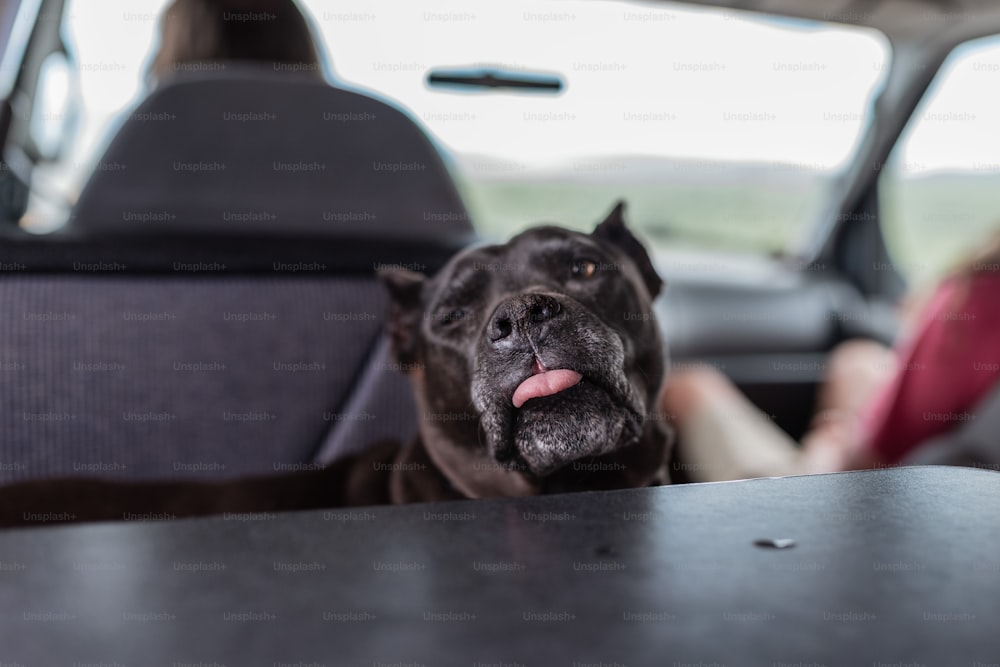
column 495, row 79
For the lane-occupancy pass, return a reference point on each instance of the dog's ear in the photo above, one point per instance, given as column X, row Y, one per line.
column 614, row 231
column 405, row 310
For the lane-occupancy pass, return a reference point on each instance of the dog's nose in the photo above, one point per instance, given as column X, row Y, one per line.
column 521, row 313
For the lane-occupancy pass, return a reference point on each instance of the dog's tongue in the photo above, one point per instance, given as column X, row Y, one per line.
column 545, row 383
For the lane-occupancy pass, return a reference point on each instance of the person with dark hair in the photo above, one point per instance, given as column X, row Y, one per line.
column 876, row 405
column 210, row 31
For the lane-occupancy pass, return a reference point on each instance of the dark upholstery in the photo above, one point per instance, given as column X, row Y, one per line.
column 144, row 369
column 168, row 377
column 249, row 149
column 381, row 407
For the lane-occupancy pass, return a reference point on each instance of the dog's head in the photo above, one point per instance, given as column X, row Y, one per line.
column 536, row 363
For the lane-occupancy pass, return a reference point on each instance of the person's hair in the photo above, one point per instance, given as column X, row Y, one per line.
column 271, row 31
column 984, row 259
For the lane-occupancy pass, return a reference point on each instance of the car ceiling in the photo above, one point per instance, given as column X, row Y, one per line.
column 900, row 20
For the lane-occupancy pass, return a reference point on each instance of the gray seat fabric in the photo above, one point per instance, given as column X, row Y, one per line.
column 169, row 374
column 249, row 149
column 975, row 444
column 170, row 377
column 380, row 408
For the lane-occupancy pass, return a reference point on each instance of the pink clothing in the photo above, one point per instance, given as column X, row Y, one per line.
column 946, row 367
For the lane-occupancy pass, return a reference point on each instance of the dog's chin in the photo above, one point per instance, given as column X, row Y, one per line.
column 583, row 421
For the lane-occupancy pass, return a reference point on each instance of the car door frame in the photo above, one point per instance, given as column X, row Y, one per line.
column 35, row 33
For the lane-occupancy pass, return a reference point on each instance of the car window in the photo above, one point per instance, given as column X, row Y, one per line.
column 723, row 130
column 938, row 188
column 111, row 42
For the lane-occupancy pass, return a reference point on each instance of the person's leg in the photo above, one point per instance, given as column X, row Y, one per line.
column 856, row 370
column 722, row 435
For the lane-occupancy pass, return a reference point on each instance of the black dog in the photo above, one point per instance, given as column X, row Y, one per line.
column 537, row 363
column 549, row 343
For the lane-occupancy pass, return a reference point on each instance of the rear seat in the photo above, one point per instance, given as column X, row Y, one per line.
column 214, row 321
column 250, row 150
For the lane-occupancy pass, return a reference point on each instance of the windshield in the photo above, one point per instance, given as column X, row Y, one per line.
column 720, row 129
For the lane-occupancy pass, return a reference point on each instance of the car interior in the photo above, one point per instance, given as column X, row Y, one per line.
column 302, row 288
column 281, row 207
column 191, row 295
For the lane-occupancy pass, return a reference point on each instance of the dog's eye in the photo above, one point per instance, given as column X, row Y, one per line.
column 584, row 268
